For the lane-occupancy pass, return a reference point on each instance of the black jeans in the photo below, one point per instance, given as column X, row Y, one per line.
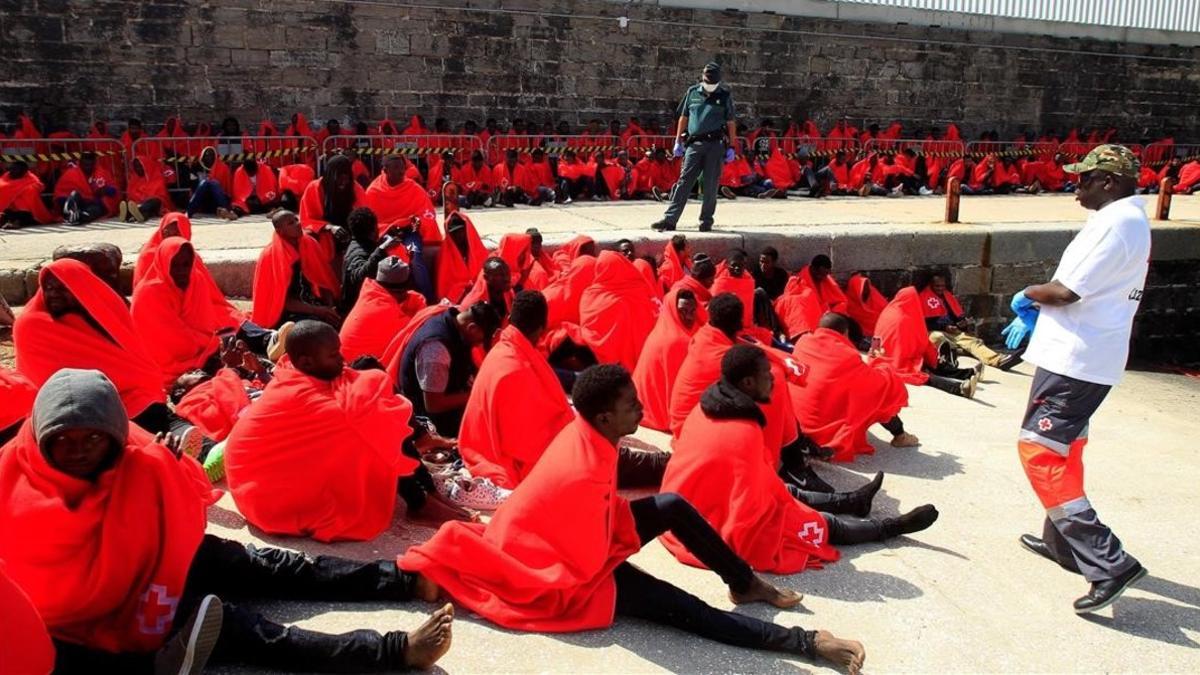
column 640, row 468
column 645, row 597
column 236, row 572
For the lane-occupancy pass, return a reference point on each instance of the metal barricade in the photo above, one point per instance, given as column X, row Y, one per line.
column 812, row 146
column 553, row 145
column 1156, row 155
column 638, row 145
column 49, row 158
column 922, row 147
column 179, row 153
column 1012, row 149
column 371, row 149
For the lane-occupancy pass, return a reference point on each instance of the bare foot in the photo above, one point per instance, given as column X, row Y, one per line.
column 905, row 440
column 427, row 590
column 847, row 654
column 431, row 641
column 761, row 591
column 437, row 511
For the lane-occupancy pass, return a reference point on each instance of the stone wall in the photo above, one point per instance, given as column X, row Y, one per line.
column 71, row 61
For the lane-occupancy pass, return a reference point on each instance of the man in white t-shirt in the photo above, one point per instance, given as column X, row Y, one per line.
column 1083, row 320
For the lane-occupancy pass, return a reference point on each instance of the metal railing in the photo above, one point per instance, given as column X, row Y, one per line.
column 1012, row 149
column 929, row 147
column 553, row 145
column 182, row 152
column 48, row 158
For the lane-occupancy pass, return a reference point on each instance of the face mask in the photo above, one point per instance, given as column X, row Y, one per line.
column 709, row 87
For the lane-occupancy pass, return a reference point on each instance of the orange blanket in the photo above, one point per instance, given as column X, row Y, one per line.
column 501, row 441
column 864, row 310
column 320, row 458
column 831, row 297
column 841, row 396
column 25, row 644
column 904, row 338
column 273, row 275
column 615, row 312
column 660, row 360
column 312, row 204
column 25, row 194
column 151, row 185
column 718, row 466
column 265, row 186
column 454, row 274
column 103, row 562
column 16, row 397
column 45, row 344
column 526, row 571
column 398, row 205
column 799, row 309
column 179, row 326
column 742, row 287
column 171, row 221
column 672, row 269
column 215, row 405
column 376, row 318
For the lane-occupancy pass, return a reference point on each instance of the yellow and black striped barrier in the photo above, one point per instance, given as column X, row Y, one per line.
column 56, row 156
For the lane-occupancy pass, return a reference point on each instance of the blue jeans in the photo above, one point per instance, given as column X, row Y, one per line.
column 422, row 280
column 207, row 198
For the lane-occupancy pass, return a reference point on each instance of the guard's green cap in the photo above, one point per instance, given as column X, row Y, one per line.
column 1116, row 159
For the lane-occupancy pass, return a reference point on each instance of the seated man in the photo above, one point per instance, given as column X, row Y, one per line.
column 400, row 202
column 255, row 189
column 514, row 181
column 212, row 182
column 817, row 276
column 663, row 355
column 321, row 452
column 103, row 259
column 146, row 195
column 433, row 364
column 476, row 182
column 675, row 263
column 946, row 321
column 719, row 467
column 459, row 259
column 616, row 314
column 293, row 279
column 525, row 571
column 21, row 198
column 494, row 286
column 576, row 179
column 86, row 192
column 906, row 348
column 732, row 277
column 842, row 396
column 385, row 306
column 768, row 275
column 79, row 467
column 864, row 303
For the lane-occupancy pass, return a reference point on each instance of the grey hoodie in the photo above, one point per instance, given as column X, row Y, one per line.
column 79, row 399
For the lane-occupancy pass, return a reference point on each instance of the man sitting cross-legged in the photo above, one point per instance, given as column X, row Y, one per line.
column 527, row 571
column 722, row 467
column 320, row 454
column 104, row 530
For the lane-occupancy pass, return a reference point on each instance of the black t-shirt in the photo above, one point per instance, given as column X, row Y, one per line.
column 773, row 284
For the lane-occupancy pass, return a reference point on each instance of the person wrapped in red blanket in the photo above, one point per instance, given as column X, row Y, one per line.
column 385, row 306
column 399, row 201
column 82, row 483
column 663, row 355
column 864, row 303
column 293, row 279
column 720, row 467
column 904, row 345
column 16, row 400
column 527, row 572
column 615, row 312
column 255, row 189
column 21, row 198
column 174, row 224
column 86, row 191
column 460, row 259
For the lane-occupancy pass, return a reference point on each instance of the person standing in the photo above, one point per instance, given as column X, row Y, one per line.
column 706, row 134
column 1081, row 323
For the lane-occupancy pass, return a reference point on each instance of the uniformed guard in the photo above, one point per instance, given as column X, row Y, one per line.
column 705, row 135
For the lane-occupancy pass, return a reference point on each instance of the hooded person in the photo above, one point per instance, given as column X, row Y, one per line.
column 672, row 268
column 816, row 276
column 663, row 354
column 615, row 312
column 564, row 296
column 517, row 251
column 293, row 181
column 293, row 279
column 580, row 245
column 135, row 509
column 255, row 189
column 319, row 454
column 180, row 312
column 385, row 306
column 174, row 224
column 460, row 258
column 699, row 279
column 542, row 269
column 719, row 466
column 400, row 202
column 733, row 277
column 499, row 441
column 906, row 348
column 864, row 302
column 146, row 194
column 86, row 191
column 798, row 309
column 328, row 201
column 75, row 320
column 841, row 396
column 524, row 571
column 21, row 198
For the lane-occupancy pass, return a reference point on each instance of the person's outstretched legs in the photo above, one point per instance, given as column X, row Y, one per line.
column 845, row 529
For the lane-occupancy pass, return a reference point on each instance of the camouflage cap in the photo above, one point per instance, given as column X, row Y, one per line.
column 1116, row 159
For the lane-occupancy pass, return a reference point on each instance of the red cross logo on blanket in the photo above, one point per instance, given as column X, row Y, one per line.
column 157, row 610
column 1045, row 424
column 933, row 303
column 429, row 214
column 812, row 533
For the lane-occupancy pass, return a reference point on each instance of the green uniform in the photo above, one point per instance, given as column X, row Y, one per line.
column 707, row 117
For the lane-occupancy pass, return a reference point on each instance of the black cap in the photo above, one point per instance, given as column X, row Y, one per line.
column 713, row 70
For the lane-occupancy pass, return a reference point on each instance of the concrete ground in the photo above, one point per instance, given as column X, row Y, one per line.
column 960, row 597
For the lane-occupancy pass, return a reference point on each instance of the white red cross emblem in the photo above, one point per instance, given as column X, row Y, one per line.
column 157, row 610
column 812, row 533
column 1045, row 424
column 933, row 302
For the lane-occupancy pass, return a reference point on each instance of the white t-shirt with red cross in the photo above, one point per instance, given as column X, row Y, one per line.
column 1105, row 265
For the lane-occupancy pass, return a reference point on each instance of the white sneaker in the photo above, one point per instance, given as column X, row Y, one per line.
column 187, row 651
column 896, row 192
column 925, row 192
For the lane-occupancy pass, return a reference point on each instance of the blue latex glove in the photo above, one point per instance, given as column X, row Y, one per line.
column 728, row 155
column 1016, row 332
column 678, row 150
column 1024, row 307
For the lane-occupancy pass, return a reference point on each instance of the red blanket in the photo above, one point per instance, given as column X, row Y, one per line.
column 273, row 276
column 215, row 405
column 904, row 338
column 312, row 204
column 842, row 396
column 799, row 309
column 179, row 326
column 90, row 188
column 615, row 312
column 175, row 220
column 645, row 269
column 397, row 205
column 934, row 306
column 516, row 251
column 502, row 441
column 864, row 311
column 45, row 344
column 742, row 287
column 564, row 294
column 295, row 178
column 376, row 318
column 831, row 297
column 25, row 194
column 151, row 185
column 103, row 562
column 568, row 252
column 265, row 186
column 16, row 397
column 672, row 270
column 25, row 644
column 660, row 360
column 454, row 274
column 320, row 459
column 527, row 571
column 716, row 468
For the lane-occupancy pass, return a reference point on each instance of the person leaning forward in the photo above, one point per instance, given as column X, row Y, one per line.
column 705, row 135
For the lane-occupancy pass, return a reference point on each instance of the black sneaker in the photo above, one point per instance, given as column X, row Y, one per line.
column 1009, row 361
column 1105, row 593
column 727, row 192
column 1038, row 546
column 188, row 650
column 662, row 226
column 705, row 227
